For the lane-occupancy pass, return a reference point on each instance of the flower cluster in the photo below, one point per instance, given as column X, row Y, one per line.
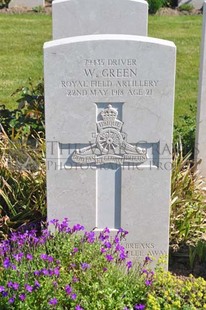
column 63, row 268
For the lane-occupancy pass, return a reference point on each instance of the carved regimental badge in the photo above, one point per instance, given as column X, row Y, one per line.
column 111, row 145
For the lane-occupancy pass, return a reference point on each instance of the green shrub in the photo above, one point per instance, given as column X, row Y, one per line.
column 188, row 203
column 80, row 270
column 155, row 5
column 172, row 293
column 27, row 121
column 22, row 183
column 68, row 270
column 4, row 3
column 185, row 133
column 172, row 3
column 22, row 160
column 186, row 7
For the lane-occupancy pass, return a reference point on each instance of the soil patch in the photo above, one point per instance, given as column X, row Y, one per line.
column 179, row 264
column 177, row 12
column 22, row 10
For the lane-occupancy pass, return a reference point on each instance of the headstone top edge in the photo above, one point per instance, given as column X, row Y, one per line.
column 107, row 37
column 62, row 1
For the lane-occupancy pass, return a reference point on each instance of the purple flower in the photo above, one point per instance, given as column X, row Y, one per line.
column 56, row 271
column 15, row 286
column 122, row 231
column 41, row 240
column 122, row 255
column 14, row 237
column 75, row 250
column 50, row 259
column 18, row 256
column 77, row 227
column 2, row 289
column 22, row 297
column 29, row 256
column 103, row 250
column 10, row 284
column 11, row 300
column 64, row 226
column 28, row 288
column 139, row 307
column 147, row 259
column 53, row 301
column 37, row 272
column 75, row 279
column 145, row 271
column 43, row 256
column 85, row 266
column 78, row 307
column 54, row 222
column 101, row 237
column 4, row 294
column 13, row 267
column 109, row 257
column 106, row 230
column 107, row 244
column 36, row 285
column 6, row 263
column 129, row 265
column 148, row 282
column 90, row 236
column 119, row 248
column 68, row 289
column 73, row 296
column 116, row 239
column 45, row 272
column 55, row 283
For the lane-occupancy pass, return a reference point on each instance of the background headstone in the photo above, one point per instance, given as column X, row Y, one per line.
column 200, row 143
column 197, row 4
column 80, row 17
column 109, row 120
column 26, row 3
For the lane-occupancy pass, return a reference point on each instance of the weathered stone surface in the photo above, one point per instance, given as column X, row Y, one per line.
column 80, row 17
column 200, row 145
column 109, row 119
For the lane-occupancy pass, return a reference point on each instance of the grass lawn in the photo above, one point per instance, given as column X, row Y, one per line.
column 185, row 32
column 21, row 57
column 22, row 38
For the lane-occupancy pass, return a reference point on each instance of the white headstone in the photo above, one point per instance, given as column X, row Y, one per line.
column 80, row 17
column 109, row 119
column 196, row 4
column 26, row 3
column 200, row 143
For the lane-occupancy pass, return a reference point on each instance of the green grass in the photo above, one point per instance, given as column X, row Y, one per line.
column 21, row 43
column 185, row 32
column 22, row 38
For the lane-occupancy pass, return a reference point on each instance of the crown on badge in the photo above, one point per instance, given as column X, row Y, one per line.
column 109, row 113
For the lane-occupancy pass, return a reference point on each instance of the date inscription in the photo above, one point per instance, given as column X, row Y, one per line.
column 109, row 77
